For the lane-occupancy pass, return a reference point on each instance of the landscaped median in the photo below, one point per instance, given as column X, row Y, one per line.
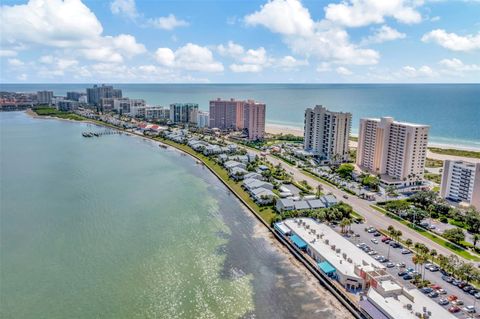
column 266, row 213
column 427, row 234
column 318, row 178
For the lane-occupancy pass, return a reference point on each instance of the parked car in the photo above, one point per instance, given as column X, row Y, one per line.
column 402, row 273
column 443, row 302
column 434, row 268
column 454, row 309
column 371, row 230
column 452, row 298
column 377, row 234
column 401, row 265
column 447, row 278
column 433, row 294
column 345, row 196
column 442, row 291
column 467, row 288
column 426, row 290
column 373, row 240
column 407, row 277
column 372, row 253
column 390, row 265
column 462, row 284
column 477, row 295
column 469, row 309
column 473, row 292
column 457, row 302
column 435, row 286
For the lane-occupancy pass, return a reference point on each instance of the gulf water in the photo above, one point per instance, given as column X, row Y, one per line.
column 117, row 227
column 452, row 110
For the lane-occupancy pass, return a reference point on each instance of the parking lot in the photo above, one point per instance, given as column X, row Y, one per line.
column 396, row 257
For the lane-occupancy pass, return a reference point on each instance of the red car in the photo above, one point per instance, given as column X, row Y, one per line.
column 454, row 309
column 385, row 238
column 452, row 298
column 436, row 287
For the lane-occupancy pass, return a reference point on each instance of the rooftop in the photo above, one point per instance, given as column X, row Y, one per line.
column 354, row 256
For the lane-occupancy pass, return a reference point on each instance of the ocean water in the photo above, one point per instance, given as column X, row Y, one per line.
column 452, row 110
column 117, row 227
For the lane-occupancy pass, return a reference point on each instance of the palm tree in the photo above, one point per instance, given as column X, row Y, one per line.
column 415, row 260
column 319, row 190
column 409, row 243
column 344, row 224
column 433, row 254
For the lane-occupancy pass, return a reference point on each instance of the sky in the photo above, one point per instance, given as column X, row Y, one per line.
column 239, row 41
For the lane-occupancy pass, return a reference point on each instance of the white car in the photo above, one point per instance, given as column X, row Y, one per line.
column 469, row 309
column 374, row 240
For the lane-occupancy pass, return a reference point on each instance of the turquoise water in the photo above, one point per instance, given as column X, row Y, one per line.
column 452, row 110
column 117, row 227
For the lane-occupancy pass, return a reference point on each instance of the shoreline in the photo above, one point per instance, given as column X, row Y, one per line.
column 333, row 303
column 286, row 129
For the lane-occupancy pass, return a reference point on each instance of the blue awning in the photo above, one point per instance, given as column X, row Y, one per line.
column 326, row 267
column 297, row 241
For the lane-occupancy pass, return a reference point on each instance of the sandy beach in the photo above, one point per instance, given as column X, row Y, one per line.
column 282, row 129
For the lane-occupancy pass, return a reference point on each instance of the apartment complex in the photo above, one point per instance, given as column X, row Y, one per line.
column 203, row 119
column 395, row 150
column 67, row 105
column 254, row 119
column 185, row 113
column 326, row 134
column 95, row 94
column 226, row 114
column 461, row 182
column 238, row 115
column 45, row 97
column 74, row 96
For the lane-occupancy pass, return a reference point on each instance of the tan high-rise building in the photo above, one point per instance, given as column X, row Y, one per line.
column 238, row 115
column 226, row 114
column 326, row 134
column 395, row 150
column 461, row 182
column 254, row 119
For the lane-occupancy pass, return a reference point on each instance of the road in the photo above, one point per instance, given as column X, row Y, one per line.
column 361, row 206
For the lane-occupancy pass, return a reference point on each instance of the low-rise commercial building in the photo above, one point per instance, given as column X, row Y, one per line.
column 461, row 182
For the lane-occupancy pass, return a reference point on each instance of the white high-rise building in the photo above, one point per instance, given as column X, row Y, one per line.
column 395, row 150
column 203, row 119
column 461, row 182
column 327, row 133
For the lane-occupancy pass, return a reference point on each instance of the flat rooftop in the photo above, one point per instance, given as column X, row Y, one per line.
column 357, row 256
column 396, row 307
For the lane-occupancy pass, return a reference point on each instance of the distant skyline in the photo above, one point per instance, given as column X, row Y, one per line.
column 287, row 41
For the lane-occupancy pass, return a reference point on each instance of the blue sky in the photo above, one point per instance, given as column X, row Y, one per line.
column 359, row 41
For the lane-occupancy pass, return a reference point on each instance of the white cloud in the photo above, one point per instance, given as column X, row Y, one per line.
column 383, row 34
column 190, row 57
column 323, row 40
column 15, row 62
column 124, row 7
column 242, row 68
column 67, row 25
column 412, row 72
column 324, row 67
column 252, row 56
column 343, row 71
column 359, row 13
column 289, row 62
column 457, row 65
column 231, row 49
column 452, row 41
column 287, row 17
column 435, row 19
column 22, row 77
column 8, row 53
column 169, row 22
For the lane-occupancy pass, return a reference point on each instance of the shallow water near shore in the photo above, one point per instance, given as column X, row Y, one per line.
column 117, row 227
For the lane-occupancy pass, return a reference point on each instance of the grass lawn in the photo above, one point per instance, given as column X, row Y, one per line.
column 436, row 178
column 433, row 163
column 266, row 212
column 451, row 151
column 443, row 242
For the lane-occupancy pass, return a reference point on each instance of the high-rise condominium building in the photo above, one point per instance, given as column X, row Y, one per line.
column 95, row 94
column 238, row 115
column 395, row 150
column 185, row 113
column 461, row 182
column 74, row 96
column 254, row 119
column 45, row 97
column 203, row 119
column 326, row 134
column 226, row 114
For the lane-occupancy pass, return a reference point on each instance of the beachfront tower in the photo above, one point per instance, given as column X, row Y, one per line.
column 326, row 134
column 461, row 182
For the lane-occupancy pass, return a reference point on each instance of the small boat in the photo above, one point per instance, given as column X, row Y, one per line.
column 162, row 145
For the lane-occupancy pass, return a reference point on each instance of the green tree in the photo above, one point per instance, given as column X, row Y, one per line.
column 345, row 170
column 455, row 235
column 409, row 243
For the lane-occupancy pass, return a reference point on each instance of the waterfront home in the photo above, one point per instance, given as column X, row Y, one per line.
column 252, row 157
column 254, row 176
column 231, row 164
column 212, row 149
column 329, row 200
column 284, row 204
column 301, row 205
column 237, row 173
column 263, row 196
column 252, row 183
column 239, row 158
column 222, row 158
column 316, row 204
